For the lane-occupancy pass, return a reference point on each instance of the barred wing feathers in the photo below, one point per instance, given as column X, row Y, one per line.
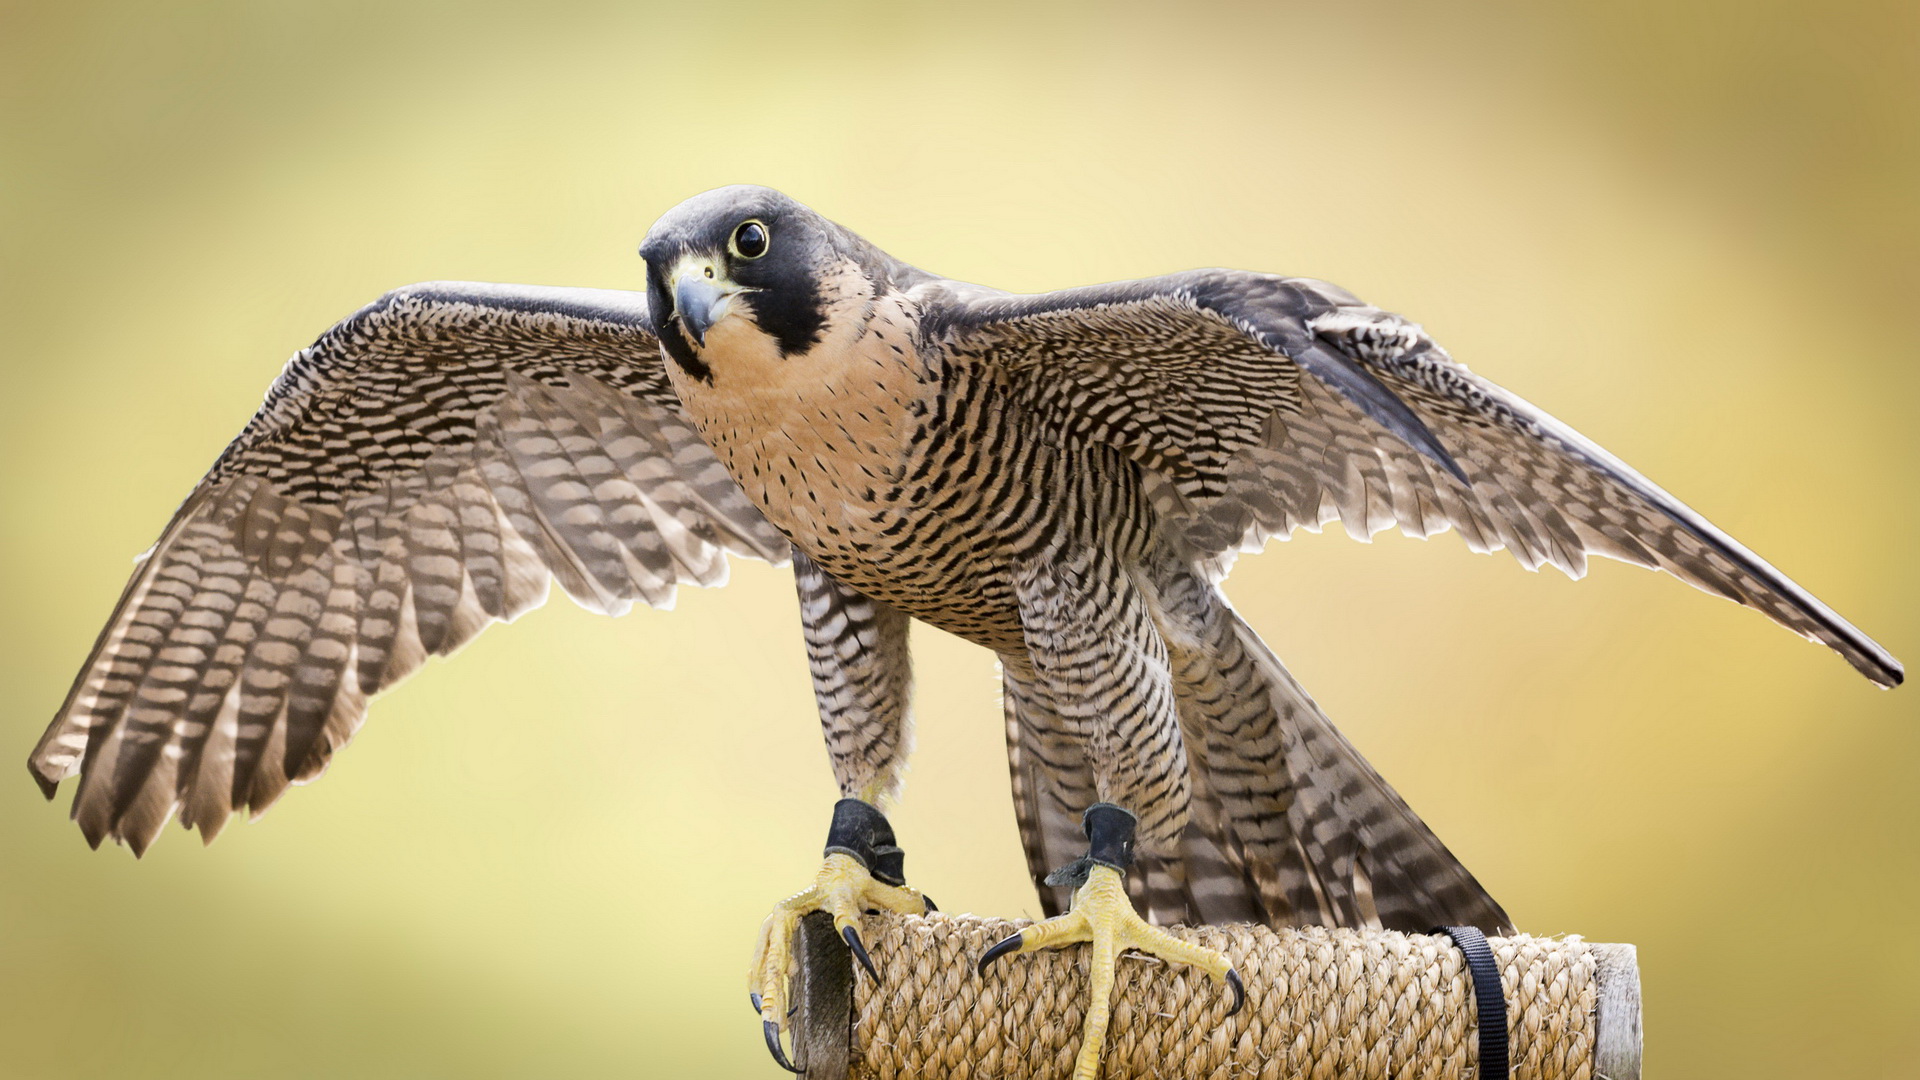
column 1260, row 405
column 424, row 469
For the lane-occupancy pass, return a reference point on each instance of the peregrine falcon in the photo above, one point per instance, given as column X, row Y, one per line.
column 1062, row 478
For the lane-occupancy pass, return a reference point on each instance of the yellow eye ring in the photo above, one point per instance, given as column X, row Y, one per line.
column 750, row 240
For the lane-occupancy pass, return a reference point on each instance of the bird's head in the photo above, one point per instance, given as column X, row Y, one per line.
column 745, row 274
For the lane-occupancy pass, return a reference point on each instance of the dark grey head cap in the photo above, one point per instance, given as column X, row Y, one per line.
column 703, row 223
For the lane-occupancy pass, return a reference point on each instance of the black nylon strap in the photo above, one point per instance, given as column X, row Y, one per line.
column 861, row 830
column 1488, row 998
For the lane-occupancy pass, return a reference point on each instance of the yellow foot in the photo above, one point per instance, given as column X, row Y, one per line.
column 1104, row 916
column 844, row 888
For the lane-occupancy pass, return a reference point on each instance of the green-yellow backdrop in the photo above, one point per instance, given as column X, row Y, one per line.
column 1690, row 231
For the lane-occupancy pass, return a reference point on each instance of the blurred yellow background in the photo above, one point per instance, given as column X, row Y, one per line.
column 1692, row 232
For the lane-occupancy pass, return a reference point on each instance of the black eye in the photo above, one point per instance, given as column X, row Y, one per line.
column 749, row 240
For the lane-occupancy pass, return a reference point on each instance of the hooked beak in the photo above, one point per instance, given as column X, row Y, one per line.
column 697, row 301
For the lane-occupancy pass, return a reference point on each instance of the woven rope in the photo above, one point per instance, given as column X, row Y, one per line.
column 1320, row 1003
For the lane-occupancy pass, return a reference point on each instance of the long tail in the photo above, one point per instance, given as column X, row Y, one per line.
column 1290, row 825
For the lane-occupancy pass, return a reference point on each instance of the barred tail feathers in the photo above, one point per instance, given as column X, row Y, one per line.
column 1369, row 859
column 1289, row 825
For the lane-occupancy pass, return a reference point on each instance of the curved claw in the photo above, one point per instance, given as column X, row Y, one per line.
column 931, row 906
column 773, row 1046
column 1000, row 949
column 1239, row 991
column 852, row 938
column 754, row 997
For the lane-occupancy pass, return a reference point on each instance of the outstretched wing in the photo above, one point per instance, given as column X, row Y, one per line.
column 1261, row 404
column 421, row 470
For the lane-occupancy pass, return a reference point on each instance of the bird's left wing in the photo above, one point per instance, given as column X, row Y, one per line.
column 418, row 472
column 1259, row 404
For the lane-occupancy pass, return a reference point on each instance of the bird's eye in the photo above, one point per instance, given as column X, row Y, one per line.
column 749, row 240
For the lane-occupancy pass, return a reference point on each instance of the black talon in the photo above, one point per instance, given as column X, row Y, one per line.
column 1239, row 991
column 773, row 1046
column 928, row 900
column 852, row 938
column 755, row 998
column 1000, row 949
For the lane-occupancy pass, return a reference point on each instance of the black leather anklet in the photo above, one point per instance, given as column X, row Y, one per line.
column 1110, row 832
column 861, row 831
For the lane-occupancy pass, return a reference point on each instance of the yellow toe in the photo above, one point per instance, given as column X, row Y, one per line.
column 1103, row 917
column 842, row 888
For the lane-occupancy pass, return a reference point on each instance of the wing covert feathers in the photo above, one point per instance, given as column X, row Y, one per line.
column 423, row 470
column 1254, row 406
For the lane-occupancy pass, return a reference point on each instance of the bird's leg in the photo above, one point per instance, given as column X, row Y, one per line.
column 1103, row 916
column 863, row 871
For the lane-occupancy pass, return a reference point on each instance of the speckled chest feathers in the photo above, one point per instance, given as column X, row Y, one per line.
column 895, row 463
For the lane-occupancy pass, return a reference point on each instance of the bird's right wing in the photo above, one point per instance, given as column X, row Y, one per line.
column 420, row 471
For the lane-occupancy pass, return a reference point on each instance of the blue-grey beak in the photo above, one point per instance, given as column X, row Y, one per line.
column 694, row 298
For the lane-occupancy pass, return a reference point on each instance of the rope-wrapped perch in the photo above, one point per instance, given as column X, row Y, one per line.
column 1320, row 1003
